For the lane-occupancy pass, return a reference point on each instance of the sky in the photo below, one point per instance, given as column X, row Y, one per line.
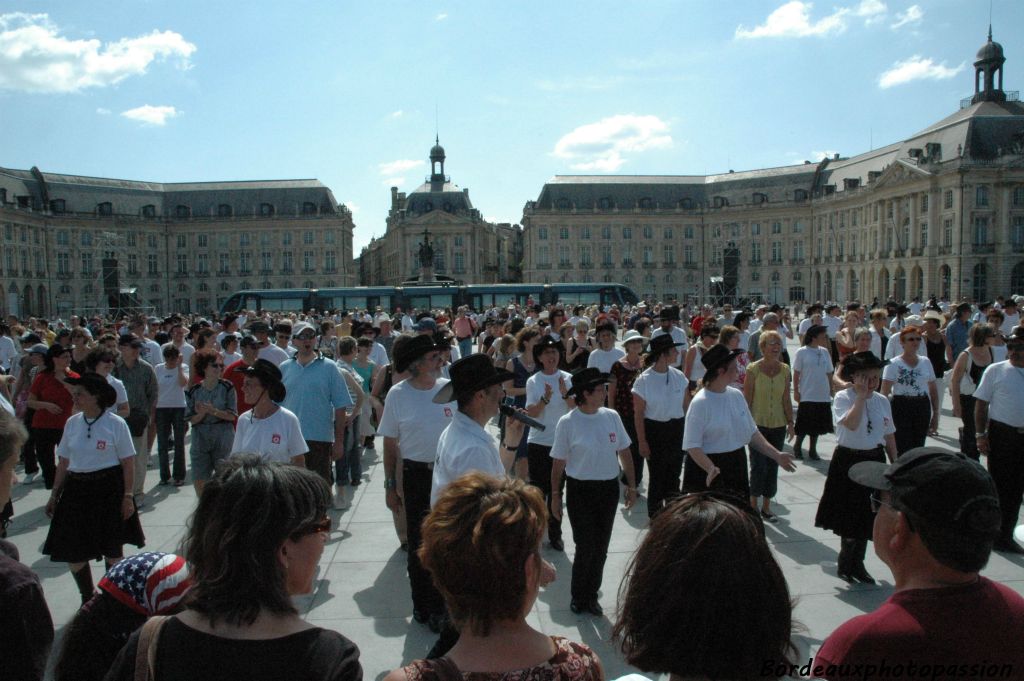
column 352, row 94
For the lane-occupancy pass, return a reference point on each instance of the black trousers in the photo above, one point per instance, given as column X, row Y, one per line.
column 634, row 449
column 911, row 416
column 416, row 479
column 968, row 440
column 46, row 441
column 539, row 460
column 591, row 506
column 1006, row 466
column 665, row 440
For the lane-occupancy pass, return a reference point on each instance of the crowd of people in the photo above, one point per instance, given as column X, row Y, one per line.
column 584, row 398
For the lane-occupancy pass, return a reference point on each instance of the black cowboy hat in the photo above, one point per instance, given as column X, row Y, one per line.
column 97, row 386
column 670, row 313
column 658, row 345
column 269, row 376
column 411, row 350
column 859, row 361
column 543, row 344
column 717, row 356
column 585, row 379
column 471, row 373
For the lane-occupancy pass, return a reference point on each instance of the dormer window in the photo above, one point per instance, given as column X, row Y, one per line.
column 800, row 195
column 57, row 206
column 104, row 208
column 646, row 203
column 605, row 203
column 149, row 211
column 686, row 204
column 182, row 212
column 563, row 204
column 225, row 210
column 760, row 198
column 309, row 208
column 266, row 209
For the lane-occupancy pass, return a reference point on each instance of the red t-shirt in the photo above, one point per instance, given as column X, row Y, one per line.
column 953, row 627
column 233, row 373
column 46, row 388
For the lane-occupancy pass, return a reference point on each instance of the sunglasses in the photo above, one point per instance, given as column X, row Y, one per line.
column 305, row 337
column 322, row 527
column 912, row 340
column 217, row 366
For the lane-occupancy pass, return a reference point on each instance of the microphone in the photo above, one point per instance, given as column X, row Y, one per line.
column 511, row 412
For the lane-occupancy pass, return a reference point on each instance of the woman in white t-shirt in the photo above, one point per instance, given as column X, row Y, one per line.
column 590, row 444
column 268, row 429
column 171, row 381
column 91, row 504
column 660, row 396
column 718, row 428
column 101, row 361
column 812, row 390
column 910, row 379
column 864, row 430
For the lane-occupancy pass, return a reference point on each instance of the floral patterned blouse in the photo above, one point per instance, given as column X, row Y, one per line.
column 624, row 377
column 571, row 662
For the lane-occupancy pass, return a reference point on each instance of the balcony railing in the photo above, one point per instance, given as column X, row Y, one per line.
column 628, row 264
column 796, row 261
column 983, row 248
column 917, row 252
column 586, row 265
column 650, row 265
column 544, row 266
column 945, row 250
column 754, row 261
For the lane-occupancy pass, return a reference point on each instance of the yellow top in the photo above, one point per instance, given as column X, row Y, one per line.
column 767, row 406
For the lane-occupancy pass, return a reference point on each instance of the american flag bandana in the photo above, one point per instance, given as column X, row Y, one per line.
column 149, row 583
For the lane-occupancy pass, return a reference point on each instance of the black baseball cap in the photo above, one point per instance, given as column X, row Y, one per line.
column 943, row 489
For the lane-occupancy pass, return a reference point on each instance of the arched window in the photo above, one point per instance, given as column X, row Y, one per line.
column 266, row 209
column 225, row 210
column 182, row 211
column 105, row 208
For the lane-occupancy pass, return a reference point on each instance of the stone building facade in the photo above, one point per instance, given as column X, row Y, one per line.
column 466, row 246
column 939, row 213
column 181, row 247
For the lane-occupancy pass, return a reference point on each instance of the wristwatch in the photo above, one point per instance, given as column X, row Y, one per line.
column 390, row 483
column 983, row 433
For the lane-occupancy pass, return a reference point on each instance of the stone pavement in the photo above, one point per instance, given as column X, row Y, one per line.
column 362, row 590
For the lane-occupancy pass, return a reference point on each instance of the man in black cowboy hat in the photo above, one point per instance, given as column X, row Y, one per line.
column 668, row 318
column 464, row 445
column 411, row 425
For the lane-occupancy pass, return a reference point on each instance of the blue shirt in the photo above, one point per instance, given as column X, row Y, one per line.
column 315, row 391
column 956, row 334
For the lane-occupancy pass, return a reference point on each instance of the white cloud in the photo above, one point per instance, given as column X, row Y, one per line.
column 793, row 20
column 913, row 15
column 600, row 146
column 103, row 112
column 394, row 115
column 400, row 166
column 872, row 11
column 916, row 68
column 441, row 17
column 35, row 57
column 819, row 155
column 151, row 115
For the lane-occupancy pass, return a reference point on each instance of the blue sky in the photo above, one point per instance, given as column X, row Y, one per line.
column 346, row 92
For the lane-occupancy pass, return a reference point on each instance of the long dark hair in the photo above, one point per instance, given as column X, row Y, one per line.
column 245, row 514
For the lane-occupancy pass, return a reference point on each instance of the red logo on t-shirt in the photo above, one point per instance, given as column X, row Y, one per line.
column 101, row 444
column 448, row 412
column 275, row 438
column 611, row 437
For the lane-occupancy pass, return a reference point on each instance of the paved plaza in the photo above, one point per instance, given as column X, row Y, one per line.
column 362, row 590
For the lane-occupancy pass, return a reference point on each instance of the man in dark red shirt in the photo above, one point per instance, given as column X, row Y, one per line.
column 937, row 518
column 250, row 348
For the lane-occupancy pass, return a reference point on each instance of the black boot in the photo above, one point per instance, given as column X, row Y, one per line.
column 846, row 551
column 83, row 578
column 813, row 454
column 857, row 569
column 797, row 451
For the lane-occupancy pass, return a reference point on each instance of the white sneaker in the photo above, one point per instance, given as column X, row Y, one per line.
column 29, row 479
column 341, row 497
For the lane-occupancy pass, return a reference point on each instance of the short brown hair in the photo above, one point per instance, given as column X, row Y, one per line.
column 201, row 359
column 476, row 541
column 729, row 610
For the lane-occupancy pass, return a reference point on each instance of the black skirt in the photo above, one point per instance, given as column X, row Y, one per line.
column 814, row 418
column 845, row 506
column 912, row 415
column 87, row 522
column 732, row 474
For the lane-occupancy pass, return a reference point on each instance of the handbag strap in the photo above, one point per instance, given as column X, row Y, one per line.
column 145, row 653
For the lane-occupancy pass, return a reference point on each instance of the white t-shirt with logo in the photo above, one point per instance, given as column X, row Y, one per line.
column 815, row 367
column 662, row 393
column 276, row 438
column 554, row 410
column 589, row 444
column 93, row 447
column 605, row 359
column 413, row 418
